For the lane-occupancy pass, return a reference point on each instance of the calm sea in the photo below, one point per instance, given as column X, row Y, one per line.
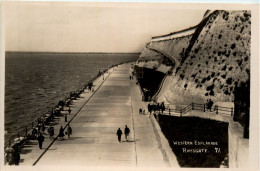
column 35, row 82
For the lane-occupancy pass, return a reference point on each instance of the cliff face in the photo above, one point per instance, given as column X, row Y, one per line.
column 150, row 55
column 173, row 47
column 163, row 55
column 216, row 61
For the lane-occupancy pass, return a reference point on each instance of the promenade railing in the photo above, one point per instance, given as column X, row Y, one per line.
column 25, row 134
column 227, row 111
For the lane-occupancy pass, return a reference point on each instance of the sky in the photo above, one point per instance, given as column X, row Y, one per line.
column 91, row 27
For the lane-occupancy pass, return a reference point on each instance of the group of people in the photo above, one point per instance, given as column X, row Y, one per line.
column 39, row 129
column 131, row 77
column 153, row 107
column 126, row 132
column 61, row 134
column 141, row 111
column 90, row 86
column 156, row 107
column 12, row 156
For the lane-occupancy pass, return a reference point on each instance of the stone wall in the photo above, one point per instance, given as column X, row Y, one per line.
column 168, row 155
column 238, row 147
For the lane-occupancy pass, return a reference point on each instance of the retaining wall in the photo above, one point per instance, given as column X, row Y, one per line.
column 238, row 147
column 168, row 155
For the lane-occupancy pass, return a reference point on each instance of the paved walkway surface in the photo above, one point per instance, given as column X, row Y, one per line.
column 94, row 142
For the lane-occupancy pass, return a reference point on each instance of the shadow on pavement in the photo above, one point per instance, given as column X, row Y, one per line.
column 29, row 146
column 25, row 151
column 72, row 138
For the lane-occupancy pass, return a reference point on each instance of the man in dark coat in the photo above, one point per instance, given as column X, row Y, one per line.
column 210, row 104
column 40, row 140
column 163, row 107
column 127, row 131
column 17, row 158
column 51, row 132
column 61, row 133
column 119, row 133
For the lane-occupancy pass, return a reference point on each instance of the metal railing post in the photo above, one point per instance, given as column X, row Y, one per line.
column 231, row 111
column 216, row 109
column 169, row 111
column 192, row 106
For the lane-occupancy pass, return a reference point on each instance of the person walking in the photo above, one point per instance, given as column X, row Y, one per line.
column 10, row 157
column 149, row 109
column 163, row 107
column 69, row 110
column 61, row 133
column 119, row 133
column 69, row 131
column 39, row 128
column 43, row 127
column 207, row 104
column 17, row 157
column 34, row 132
column 51, row 132
column 40, row 140
column 140, row 110
column 143, row 111
column 210, row 104
column 127, row 131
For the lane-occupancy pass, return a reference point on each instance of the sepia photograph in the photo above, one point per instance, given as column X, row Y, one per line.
column 129, row 85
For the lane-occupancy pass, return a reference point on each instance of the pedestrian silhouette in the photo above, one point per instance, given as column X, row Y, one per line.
column 119, row 133
column 69, row 110
column 17, row 157
column 61, row 134
column 210, row 104
column 51, row 132
column 127, row 131
column 40, row 140
column 69, row 131
column 65, row 117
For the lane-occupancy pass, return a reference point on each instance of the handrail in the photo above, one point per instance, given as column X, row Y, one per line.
column 26, row 132
column 224, row 107
column 201, row 107
column 160, row 88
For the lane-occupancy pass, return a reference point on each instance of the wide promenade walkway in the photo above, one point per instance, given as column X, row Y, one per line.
column 94, row 142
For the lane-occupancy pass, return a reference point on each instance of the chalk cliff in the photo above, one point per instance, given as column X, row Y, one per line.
column 207, row 64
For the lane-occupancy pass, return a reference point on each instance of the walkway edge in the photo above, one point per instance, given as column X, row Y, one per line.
column 73, row 116
column 168, row 155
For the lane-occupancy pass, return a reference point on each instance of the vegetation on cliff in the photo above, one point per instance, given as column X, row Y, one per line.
column 213, row 60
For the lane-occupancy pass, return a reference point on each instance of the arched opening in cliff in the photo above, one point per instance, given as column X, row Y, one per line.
column 149, row 81
column 150, row 74
column 196, row 142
